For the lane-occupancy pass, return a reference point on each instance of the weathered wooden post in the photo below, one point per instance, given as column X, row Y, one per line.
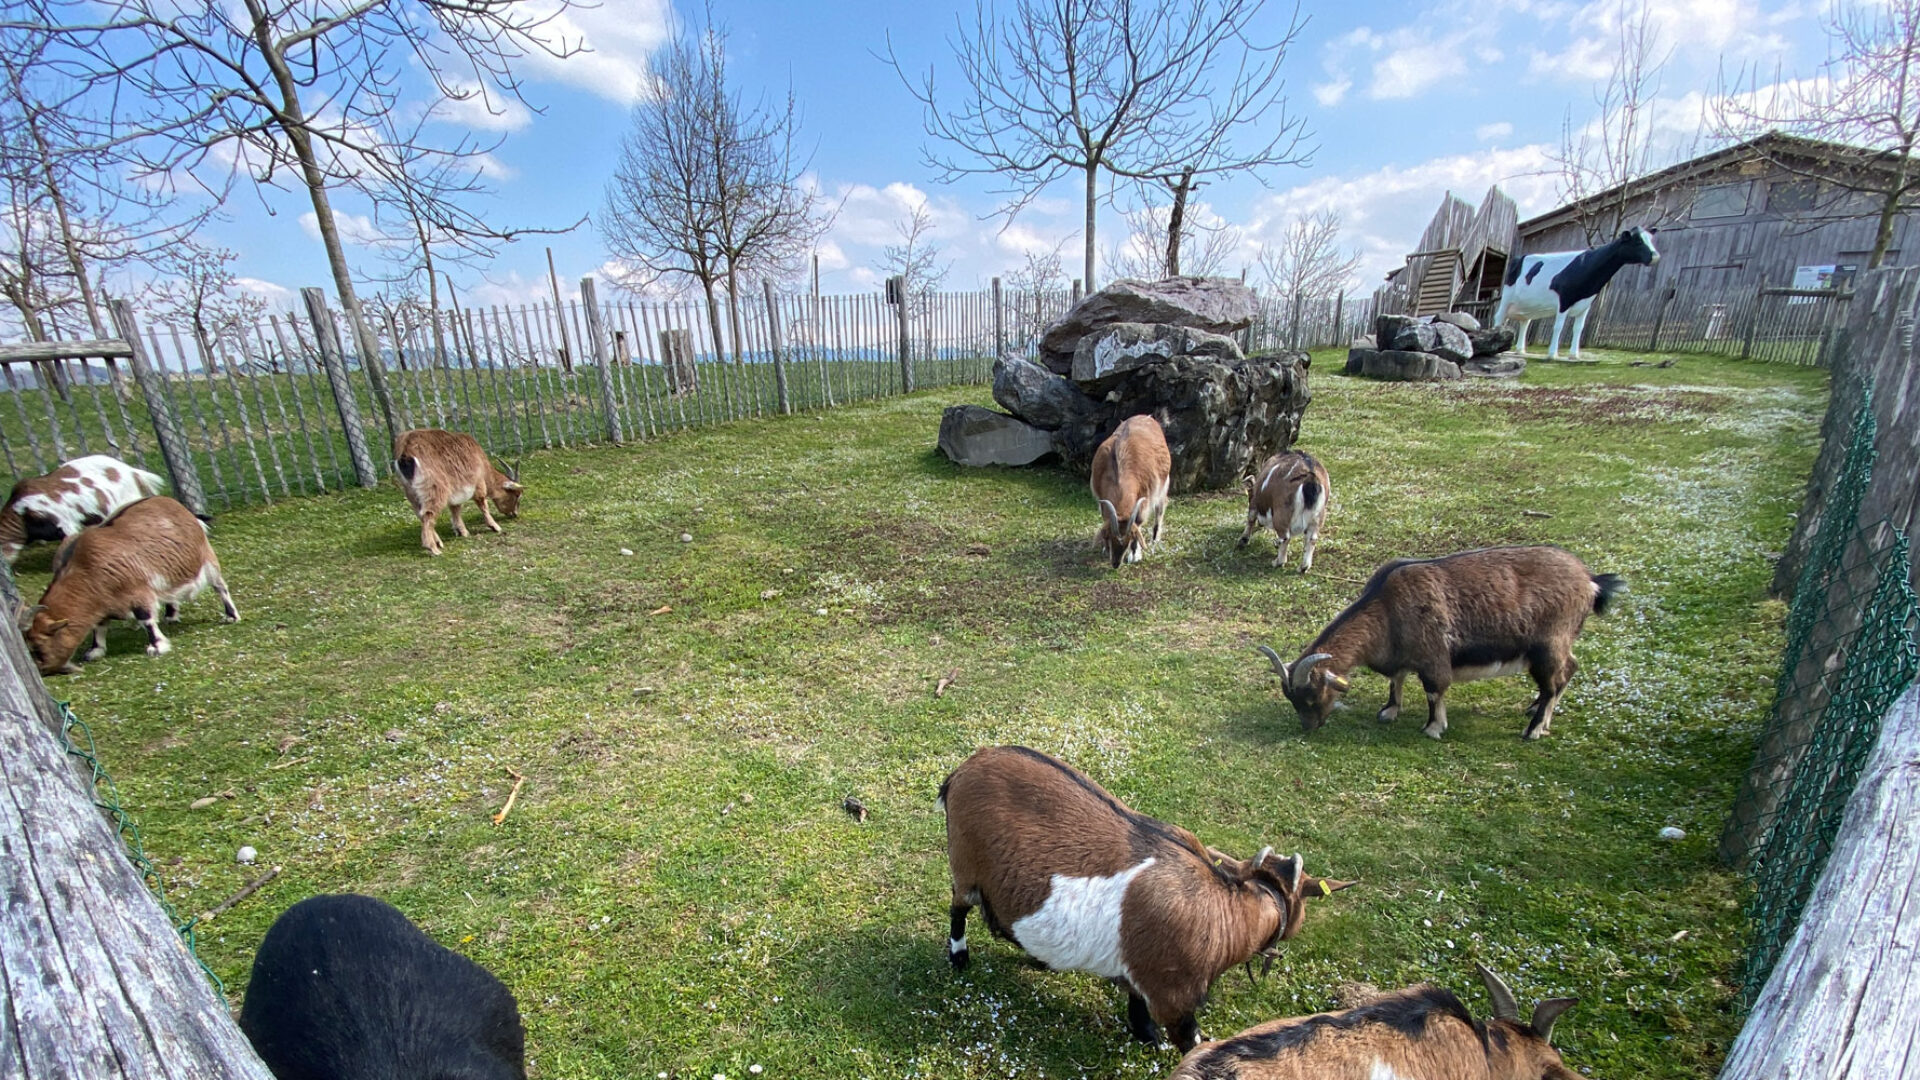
column 1293, row 326
column 173, row 444
column 327, row 335
column 773, row 340
column 1660, row 319
column 999, row 323
column 1340, row 336
column 1076, row 290
column 98, row 984
column 1753, row 321
column 608, row 397
column 897, row 291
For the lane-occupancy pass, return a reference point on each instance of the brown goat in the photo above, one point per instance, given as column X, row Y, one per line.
column 1289, row 495
column 1475, row 615
column 1421, row 1032
column 1083, row 883
column 82, row 492
column 1132, row 473
column 140, row 564
column 440, row 470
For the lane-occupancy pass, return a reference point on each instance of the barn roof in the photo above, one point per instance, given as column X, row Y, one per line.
column 1817, row 155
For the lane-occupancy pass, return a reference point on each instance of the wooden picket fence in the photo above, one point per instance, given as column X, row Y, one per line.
column 287, row 407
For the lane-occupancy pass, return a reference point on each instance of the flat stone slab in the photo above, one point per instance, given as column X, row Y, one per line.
column 971, row 435
column 1398, row 365
column 1503, row 366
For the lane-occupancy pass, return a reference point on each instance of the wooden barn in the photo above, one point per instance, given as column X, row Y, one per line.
column 1766, row 212
column 1460, row 261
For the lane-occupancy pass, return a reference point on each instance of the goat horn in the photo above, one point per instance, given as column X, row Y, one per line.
column 1547, row 1013
column 1261, row 858
column 1504, row 1007
column 1279, row 665
column 1303, row 668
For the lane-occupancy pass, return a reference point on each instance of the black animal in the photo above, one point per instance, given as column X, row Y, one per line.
column 347, row 988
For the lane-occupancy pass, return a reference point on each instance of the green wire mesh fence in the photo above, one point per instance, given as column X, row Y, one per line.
column 1850, row 653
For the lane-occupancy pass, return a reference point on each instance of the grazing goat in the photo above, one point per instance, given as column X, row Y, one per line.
column 1421, row 1032
column 347, row 988
column 1132, row 472
column 1475, row 615
column 85, row 491
column 140, row 564
column 443, row 469
column 1290, row 495
column 1083, row 883
column 1563, row 284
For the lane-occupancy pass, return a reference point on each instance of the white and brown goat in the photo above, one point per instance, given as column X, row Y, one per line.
column 1083, row 883
column 441, row 470
column 1132, row 474
column 1460, row 618
column 1422, row 1031
column 140, row 564
column 85, row 491
column 1288, row 495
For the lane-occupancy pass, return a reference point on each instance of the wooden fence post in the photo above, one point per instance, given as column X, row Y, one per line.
column 906, row 344
column 327, row 335
column 773, row 340
column 999, row 323
column 1660, row 319
column 1340, row 320
column 1293, row 325
column 608, row 398
column 1753, row 321
column 166, row 430
column 1076, row 290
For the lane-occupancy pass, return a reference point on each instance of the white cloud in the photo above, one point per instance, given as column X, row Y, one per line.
column 278, row 297
column 617, row 37
column 1332, row 93
column 1702, row 32
column 477, row 109
column 354, row 228
column 1498, row 130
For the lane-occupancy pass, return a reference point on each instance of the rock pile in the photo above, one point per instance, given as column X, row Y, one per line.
column 1449, row 346
column 1158, row 348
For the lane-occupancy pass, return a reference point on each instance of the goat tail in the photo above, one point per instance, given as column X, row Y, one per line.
column 408, row 465
column 1311, row 494
column 1604, row 586
column 148, row 483
column 941, row 801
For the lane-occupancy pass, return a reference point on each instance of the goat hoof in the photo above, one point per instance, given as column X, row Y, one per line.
column 161, row 649
column 1241, row 544
column 68, row 668
column 1388, row 715
column 959, row 959
column 1432, row 732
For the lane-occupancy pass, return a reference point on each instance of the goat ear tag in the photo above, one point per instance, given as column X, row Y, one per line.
column 1325, row 889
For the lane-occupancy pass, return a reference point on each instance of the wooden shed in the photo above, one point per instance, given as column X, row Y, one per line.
column 1460, row 261
column 1770, row 211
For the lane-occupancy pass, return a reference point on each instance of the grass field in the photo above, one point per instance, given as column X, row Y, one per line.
column 678, row 891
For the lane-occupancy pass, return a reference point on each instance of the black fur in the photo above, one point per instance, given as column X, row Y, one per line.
column 407, row 466
column 1609, row 585
column 1408, row 1013
column 1590, row 270
column 1534, row 270
column 1513, row 270
column 346, row 988
column 1484, row 654
column 40, row 525
column 1140, row 1021
column 1310, row 494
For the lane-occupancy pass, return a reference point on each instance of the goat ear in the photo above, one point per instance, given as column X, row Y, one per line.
column 57, row 625
column 512, row 485
column 1314, row 886
column 1338, row 682
column 1549, row 1011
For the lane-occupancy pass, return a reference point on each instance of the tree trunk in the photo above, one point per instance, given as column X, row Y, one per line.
column 1093, row 176
column 1176, row 220
column 72, row 249
column 713, row 319
column 733, row 313
column 1889, row 210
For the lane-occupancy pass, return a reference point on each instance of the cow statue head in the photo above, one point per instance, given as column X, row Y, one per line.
column 1636, row 246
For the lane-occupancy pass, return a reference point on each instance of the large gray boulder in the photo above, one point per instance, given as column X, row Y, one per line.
column 1491, row 341
column 1121, row 347
column 1388, row 327
column 1222, row 417
column 1413, row 337
column 1451, row 342
column 1504, row 366
column 1357, row 359
column 1218, row 305
column 1458, row 318
column 1035, row 394
column 971, row 435
column 1399, row 365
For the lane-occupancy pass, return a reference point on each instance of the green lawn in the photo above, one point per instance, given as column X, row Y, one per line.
column 678, row 890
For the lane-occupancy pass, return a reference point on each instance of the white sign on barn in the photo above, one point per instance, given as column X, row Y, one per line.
column 1811, row 277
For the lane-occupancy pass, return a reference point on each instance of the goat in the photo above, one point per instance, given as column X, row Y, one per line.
column 1422, row 1031
column 82, row 492
column 1083, row 883
column 140, row 564
column 1459, row 618
column 347, row 988
column 1290, row 495
column 1563, row 284
column 443, row 469
column 1132, row 473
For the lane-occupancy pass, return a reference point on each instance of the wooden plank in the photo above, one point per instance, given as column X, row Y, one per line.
column 42, row 351
column 1843, row 1002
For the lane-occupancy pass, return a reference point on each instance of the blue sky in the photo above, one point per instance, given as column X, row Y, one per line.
column 1405, row 100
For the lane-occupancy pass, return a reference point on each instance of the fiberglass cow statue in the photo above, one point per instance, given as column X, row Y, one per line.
column 1563, row 284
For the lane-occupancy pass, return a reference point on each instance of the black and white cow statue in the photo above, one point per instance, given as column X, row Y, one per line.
column 1563, row 284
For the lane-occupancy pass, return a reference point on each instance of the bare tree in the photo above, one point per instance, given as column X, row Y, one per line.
column 916, row 259
column 1616, row 147
column 1041, row 276
column 709, row 186
column 1146, row 254
column 212, row 91
column 1866, row 97
column 1151, row 91
column 196, row 288
column 1308, row 261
